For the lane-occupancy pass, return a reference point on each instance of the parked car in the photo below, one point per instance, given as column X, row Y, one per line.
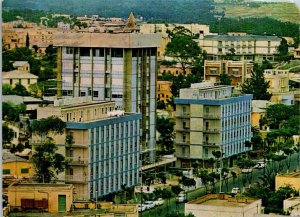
column 235, row 190
column 260, row 165
column 159, row 202
column 149, row 204
column 142, row 207
column 181, row 197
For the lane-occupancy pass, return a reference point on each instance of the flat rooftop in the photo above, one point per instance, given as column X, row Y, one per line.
column 222, row 200
column 106, row 40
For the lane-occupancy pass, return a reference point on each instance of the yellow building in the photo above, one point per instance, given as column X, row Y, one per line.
column 57, row 197
column 292, row 179
column 174, row 70
column 279, row 86
column 16, row 167
column 258, row 111
column 163, row 90
column 237, row 70
column 19, row 77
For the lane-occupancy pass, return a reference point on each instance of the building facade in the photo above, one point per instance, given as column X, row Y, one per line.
column 119, row 67
column 237, row 70
column 243, row 47
column 19, row 77
column 279, row 86
column 210, row 118
column 105, row 151
column 164, row 90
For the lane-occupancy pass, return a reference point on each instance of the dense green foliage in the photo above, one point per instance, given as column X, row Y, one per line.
column 11, row 112
column 257, row 85
column 8, row 134
column 165, row 127
column 48, row 125
column 170, row 11
column 42, row 68
column 47, row 162
column 272, row 200
column 282, row 116
column 259, row 26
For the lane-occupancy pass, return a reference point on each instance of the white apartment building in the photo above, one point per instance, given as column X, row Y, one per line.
column 211, row 118
column 246, row 47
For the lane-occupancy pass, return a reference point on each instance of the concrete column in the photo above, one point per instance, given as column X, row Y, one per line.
column 59, row 72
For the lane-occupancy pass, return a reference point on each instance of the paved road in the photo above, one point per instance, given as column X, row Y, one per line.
column 173, row 206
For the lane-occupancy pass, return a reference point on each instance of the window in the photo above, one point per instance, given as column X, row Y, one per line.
column 71, row 171
column 95, row 94
column 82, row 93
column 99, row 52
column 183, row 137
column 69, row 50
column 117, row 52
column 84, row 51
column 28, row 81
column 10, row 81
column 20, row 81
column 24, row 170
column 220, row 50
column 6, row 171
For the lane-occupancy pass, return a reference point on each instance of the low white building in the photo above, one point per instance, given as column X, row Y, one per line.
column 221, row 205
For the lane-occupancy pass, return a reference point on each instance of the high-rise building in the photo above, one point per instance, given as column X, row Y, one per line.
column 102, row 151
column 211, row 118
column 116, row 67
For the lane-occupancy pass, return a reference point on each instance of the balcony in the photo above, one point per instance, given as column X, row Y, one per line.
column 76, row 179
column 76, row 146
column 210, row 144
column 211, row 116
column 182, row 114
column 77, row 161
column 182, row 142
column 183, row 129
column 211, row 130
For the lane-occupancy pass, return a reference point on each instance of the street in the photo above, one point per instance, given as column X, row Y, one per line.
column 173, row 206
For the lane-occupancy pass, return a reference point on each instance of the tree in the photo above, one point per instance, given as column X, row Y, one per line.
column 27, row 40
column 257, row 85
column 47, row 162
column 166, row 194
column 182, row 48
column 51, row 124
column 8, row 134
column 20, row 90
column 12, row 112
column 7, row 89
column 160, row 104
column 225, row 79
column 176, row 189
column 165, row 126
column 283, row 50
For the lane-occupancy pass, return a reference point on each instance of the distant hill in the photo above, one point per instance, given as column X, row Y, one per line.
column 183, row 11
column 283, row 10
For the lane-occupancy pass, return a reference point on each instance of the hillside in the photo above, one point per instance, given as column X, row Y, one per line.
column 184, row 11
column 283, row 11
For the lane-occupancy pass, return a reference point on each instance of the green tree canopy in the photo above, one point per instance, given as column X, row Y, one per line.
column 165, row 126
column 47, row 162
column 183, row 48
column 8, row 134
column 20, row 90
column 51, row 124
column 12, row 112
column 257, row 85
